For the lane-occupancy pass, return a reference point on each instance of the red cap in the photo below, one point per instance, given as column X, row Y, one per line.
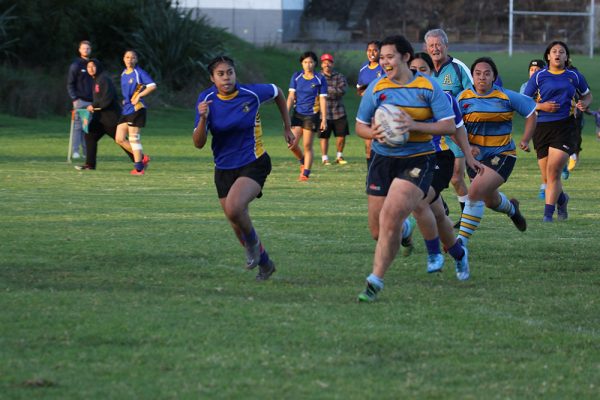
column 327, row 56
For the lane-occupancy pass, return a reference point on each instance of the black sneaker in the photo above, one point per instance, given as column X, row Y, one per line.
column 84, row 167
column 517, row 217
column 265, row 271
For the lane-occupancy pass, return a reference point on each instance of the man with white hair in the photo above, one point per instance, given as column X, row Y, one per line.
column 454, row 77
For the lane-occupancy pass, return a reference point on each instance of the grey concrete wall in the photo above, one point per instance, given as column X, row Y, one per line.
column 261, row 27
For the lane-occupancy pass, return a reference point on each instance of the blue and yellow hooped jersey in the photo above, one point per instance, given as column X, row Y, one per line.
column 488, row 118
column 234, row 123
column 421, row 98
column 135, row 81
column 562, row 87
column 454, row 76
column 308, row 92
column 368, row 74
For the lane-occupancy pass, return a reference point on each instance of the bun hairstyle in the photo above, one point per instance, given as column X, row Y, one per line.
column 488, row 61
column 218, row 60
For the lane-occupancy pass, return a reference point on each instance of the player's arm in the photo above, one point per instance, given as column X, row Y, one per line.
column 285, row 117
column 584, row 101
column 199, row 136
column 323, row 109
column 151, row 87
column 462, row 141
column 530, row 123
column 291, row 100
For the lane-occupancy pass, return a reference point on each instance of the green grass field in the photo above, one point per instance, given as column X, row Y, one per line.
column 115, row 286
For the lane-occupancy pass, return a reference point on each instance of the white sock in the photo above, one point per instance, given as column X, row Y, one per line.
column 339, row 154
column 324, row 158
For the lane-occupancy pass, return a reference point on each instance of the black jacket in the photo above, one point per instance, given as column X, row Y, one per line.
column 79, row 82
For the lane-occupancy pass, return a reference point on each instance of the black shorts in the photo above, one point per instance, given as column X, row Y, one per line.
column 137, row 118
column 383, row 170
column 444, row 168
column 309, row 122
column 503, row 164
column 560, row 135
column 257, row 170
column 339, row 127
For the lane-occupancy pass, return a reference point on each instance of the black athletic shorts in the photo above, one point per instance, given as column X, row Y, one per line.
column 383, row 170
column 503, row 164
column 560, row 135
column 257, row 170
column 309, row 122
column 339, row 127
column 444, row 168
column 137, row 118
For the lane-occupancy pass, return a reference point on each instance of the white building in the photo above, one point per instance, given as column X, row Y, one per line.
column 257, row 21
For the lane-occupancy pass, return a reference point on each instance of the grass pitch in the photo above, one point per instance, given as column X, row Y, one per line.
column 115, row 286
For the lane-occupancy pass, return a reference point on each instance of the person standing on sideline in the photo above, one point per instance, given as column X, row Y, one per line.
column 399, row 177
column 307, row 97
column 487, row 112
column 453, row 76
column 135, row 84
column 337, row 120
column 229, row 110
column 79, row 86
column 105, row 112
column 555, row 135
column 368, row 72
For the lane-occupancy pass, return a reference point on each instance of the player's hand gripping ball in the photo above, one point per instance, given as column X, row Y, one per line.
column 392, row 120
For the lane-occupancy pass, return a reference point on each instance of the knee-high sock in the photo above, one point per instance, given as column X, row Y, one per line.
column 505, row 206
column 470, row 219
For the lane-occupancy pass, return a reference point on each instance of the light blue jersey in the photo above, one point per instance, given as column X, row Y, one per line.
column 421, row 98
column 488, row 118
column 234, row 123
column 308, row 92
column 131, row 83
column 562, row 87
column 454, row 76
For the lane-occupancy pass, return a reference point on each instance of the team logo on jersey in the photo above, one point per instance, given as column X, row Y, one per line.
column 379, row 74
column 495, row 161
column 313, row 85
column 415, row 172
column 466, row 105
column 246, row 107
column 447, row 80
column 130, row 81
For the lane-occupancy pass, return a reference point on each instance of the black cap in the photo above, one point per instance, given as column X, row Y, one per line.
column 537, row 63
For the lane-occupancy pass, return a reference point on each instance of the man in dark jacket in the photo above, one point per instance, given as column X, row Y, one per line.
column 79, row 86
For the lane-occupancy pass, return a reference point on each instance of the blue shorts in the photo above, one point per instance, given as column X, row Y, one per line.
column 503, row 164
column 384, row 169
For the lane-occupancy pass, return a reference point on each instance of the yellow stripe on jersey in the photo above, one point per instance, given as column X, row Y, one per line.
column 477, row 116
column 490, row 141
column 259, row 148
column 419, row 82
column 317, row 106
column 227, row 96
column 469, row 94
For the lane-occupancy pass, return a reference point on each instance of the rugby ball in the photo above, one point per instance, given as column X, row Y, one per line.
column 394, row 132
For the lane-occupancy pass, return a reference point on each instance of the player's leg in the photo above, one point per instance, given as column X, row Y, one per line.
column 426, row 222
column 341, row 130
column 324, row 142
column 556, row 161
column 458, row 182
column 297, row 131
column 450, row 242
column 307, row 143
column 368, row 151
